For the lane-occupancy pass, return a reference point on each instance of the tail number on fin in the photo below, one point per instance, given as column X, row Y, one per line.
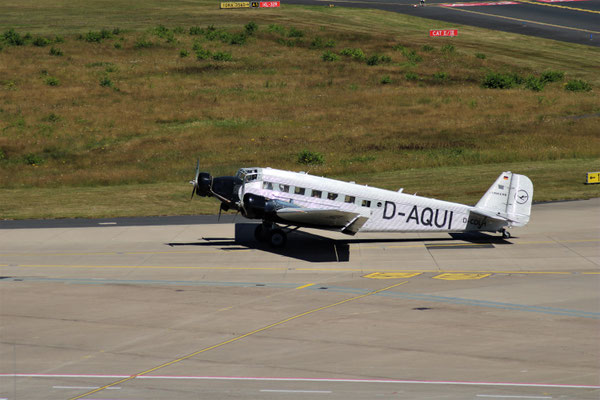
column 426, row 216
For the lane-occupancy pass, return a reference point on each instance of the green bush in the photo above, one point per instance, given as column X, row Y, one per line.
column 33, row 159
column 13, row 38
column 427, row 47
column 183, row 53
column 196, row 30
column 93, row 37
column 448, row 48
column 276, row 29
column 2, row 155
column 552, row 76
column 54, row 51
column 329, row 56
column 578, row 85
column 52, row 81
column 308, row 157
column 106, row 82
column 385, row 80
column 356, row 54
column 118, row 45
column 411, row 76
column 534, row 83
column 377, row 59
column 40, row 41
column 238, row 38
column 481, row 56
column 222, row 56
column 495, row 80
column 250, row 28
column 59, row 39
column 143, row 43
column 295, row 33
column 202, row 54
column 440, row 77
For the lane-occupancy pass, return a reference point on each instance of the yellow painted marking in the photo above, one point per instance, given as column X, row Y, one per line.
column 557, row 6
column 590, row 273
column 460, row 277
column 392, row 275
column 295, row 269
column 235, row 339
column 304, row 286
column 522, row 20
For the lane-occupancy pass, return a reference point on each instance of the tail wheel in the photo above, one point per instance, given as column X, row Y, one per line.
column 505, row 234
column 277, row 238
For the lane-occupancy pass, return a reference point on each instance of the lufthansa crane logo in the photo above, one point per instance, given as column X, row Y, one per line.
column 522, row 197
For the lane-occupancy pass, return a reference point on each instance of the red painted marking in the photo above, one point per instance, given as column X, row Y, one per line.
column 269, row 4
column 558, row 1
column 443, row 32
column 487, row 3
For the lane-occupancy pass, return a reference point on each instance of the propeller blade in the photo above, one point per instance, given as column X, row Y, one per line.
column 195, row 181
column 220, row 209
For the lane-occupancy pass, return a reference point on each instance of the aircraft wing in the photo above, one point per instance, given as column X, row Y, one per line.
column 344, row 221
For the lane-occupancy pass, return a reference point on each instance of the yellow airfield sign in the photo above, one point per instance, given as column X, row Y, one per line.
column 235, row 4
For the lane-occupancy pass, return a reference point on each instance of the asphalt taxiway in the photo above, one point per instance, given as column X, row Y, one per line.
column 124, row 309
column 576, row 21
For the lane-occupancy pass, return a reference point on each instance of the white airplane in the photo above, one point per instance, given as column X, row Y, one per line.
column 286, row 201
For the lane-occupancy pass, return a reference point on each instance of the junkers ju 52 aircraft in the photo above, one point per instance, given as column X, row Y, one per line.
column 286, row 201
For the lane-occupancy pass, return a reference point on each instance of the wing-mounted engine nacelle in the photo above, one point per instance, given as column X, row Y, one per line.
column 258, row 207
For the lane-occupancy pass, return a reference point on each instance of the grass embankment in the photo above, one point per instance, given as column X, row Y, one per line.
column 111, row 122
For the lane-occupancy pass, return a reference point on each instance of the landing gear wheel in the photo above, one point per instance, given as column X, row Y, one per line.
column 277, row 238
column 505, row 234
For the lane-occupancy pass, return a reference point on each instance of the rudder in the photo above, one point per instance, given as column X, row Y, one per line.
column 509, row 197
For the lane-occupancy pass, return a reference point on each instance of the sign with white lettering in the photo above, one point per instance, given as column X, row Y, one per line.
column 443, row 32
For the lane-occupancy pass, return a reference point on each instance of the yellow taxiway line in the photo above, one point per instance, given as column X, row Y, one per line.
column 235, row 339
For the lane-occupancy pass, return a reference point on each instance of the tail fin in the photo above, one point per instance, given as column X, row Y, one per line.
column 509, row 197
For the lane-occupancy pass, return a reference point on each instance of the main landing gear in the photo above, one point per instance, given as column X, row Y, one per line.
column 271, row 233
column 505, row 233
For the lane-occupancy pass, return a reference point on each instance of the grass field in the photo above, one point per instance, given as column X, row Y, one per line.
column 105, row 107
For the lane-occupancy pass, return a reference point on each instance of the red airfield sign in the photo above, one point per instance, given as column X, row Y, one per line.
column 443, row 32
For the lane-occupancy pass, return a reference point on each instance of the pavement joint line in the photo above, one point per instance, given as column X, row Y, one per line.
column 235, row 339
column 524, row 20
column 301, row 269
column 421, row 245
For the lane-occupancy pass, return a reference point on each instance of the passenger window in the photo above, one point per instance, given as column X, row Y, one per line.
column 332, row 196
column 316, row 193
column 366, row 203
column 349, row 199
column 267, row 185
column 299, row 190
column 284, row 188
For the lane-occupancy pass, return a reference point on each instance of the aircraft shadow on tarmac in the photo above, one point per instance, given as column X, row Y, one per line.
column 314, row 248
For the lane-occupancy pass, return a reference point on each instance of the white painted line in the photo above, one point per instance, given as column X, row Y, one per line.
column 294, row 391
column 107, row 223
column 498, row 396
column 274, row 379
column 85, row 387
